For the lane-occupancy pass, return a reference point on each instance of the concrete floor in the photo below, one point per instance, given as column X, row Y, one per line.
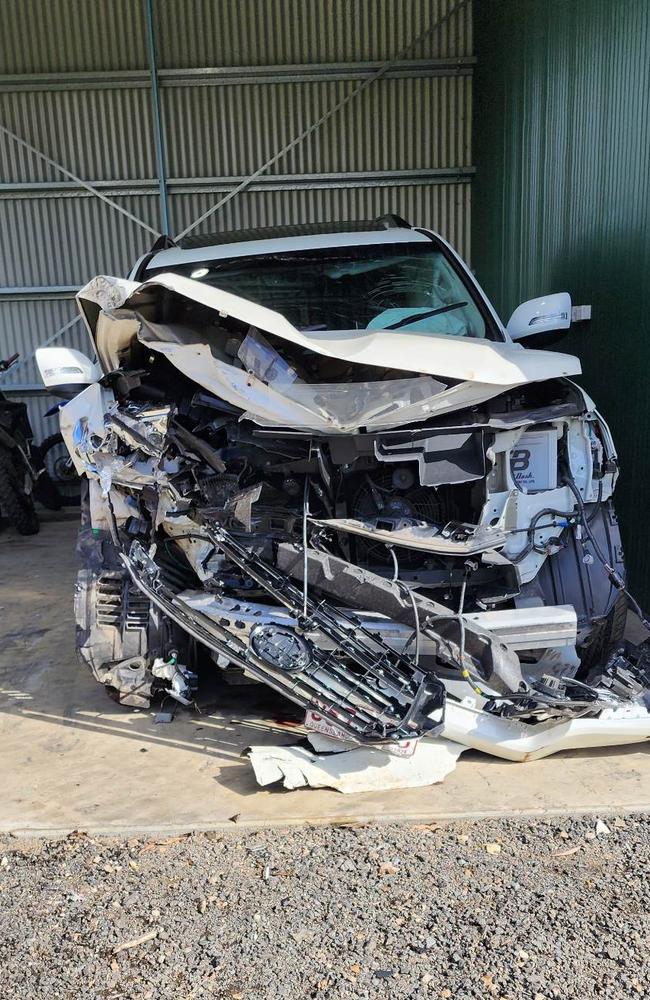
column 72, row 759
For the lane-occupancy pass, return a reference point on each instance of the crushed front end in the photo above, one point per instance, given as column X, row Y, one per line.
column 379, row 543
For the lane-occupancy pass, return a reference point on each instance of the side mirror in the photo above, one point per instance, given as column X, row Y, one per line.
column 548, row 314
column 66, row 372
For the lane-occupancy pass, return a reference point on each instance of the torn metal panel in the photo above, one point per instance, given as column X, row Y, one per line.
column 82, row 425
column 142, row 428
column 448, row 539
column 456, row 358
column 326, row 408
column 346, row 407
column 290, row 403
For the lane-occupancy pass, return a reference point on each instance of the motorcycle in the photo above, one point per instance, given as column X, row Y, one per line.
column 23, row 475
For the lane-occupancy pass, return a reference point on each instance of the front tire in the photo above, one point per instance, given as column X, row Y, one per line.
column 16, row 505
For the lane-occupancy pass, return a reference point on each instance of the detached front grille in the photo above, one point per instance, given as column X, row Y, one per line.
column 362, row 685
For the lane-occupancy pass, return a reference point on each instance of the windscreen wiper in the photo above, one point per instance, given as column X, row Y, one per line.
column 426, row 315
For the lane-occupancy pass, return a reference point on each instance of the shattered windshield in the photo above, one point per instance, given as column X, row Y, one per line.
column 411, row 287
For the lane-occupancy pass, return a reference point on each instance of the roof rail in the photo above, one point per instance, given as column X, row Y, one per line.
column 163, row 242
column 392, row 221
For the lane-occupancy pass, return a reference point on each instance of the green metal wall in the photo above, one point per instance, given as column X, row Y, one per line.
column 561, row 201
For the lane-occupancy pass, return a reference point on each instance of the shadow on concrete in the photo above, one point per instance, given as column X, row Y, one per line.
column 41, row 678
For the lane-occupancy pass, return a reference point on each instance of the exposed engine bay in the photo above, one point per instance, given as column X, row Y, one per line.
column 403, row 535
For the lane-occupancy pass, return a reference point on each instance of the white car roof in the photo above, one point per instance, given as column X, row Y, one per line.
column 176, row 255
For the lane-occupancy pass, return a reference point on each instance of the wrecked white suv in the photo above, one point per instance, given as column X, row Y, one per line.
column 316, row 458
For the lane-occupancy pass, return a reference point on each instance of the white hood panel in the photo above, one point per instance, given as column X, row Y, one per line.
column 466, row 359
column 483, row 369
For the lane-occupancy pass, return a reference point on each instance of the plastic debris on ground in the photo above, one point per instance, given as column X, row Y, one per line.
column 350, row 768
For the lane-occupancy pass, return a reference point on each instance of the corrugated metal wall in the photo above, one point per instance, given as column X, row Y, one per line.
column 238, row 79
column 562, row 200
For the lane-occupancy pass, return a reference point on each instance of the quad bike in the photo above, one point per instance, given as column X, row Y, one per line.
column 23, row 476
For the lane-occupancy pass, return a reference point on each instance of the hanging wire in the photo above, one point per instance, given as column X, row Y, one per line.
column 305, row 557
column 78, row 180
column 402, row 586
column 459, row 616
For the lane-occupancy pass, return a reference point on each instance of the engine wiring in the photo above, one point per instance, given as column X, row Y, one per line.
column 459, row 616
column 404, row 589
column 530, row 546
column 461, row 623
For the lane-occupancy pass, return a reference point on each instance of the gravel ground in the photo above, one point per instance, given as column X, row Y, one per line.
column 492, row 909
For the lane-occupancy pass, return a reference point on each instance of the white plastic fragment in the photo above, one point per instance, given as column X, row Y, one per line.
column 135, row 942
column 357, row 770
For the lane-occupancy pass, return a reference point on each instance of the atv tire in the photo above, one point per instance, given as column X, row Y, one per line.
column 45, row 489
column 16, row 505
column 55, row 490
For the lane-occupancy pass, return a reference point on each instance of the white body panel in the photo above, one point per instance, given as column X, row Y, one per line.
column 65, row 366
column 176, row 256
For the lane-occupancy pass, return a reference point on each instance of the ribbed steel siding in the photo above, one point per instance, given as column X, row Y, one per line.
column 67, row 36
column 562, row 201
column 25, row 325
column 395, row 124
column 282, row 32
column 70, row 36
column 97, row 134
column 67, row 240
column 105, row 135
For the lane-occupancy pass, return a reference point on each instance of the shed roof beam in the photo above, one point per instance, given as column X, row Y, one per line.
column 268, row 182
column 9, row 293
column 219, row 76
